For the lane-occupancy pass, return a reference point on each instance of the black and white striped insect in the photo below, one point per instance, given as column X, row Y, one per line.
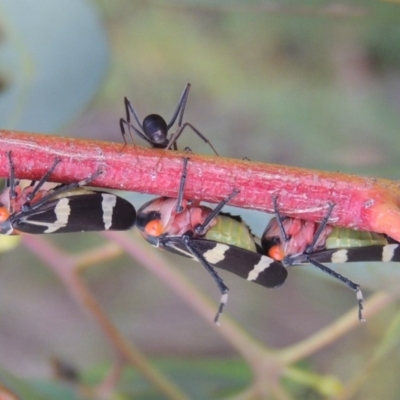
column 294, row 241
column 40, row 207
column 154, row 129
column 213, row 238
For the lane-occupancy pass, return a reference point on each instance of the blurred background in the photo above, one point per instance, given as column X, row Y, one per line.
column 311, row 83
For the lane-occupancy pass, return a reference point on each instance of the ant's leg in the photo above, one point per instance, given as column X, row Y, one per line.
column 178, row 133
column 129, row 109
column 180, row 109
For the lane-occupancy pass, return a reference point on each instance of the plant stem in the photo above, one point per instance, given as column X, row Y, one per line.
column 362, row 203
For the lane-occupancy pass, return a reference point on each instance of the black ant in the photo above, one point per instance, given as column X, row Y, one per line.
column 154, row 129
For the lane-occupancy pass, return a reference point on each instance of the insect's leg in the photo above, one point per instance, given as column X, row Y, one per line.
column 123, row 122
column 129, row 109
column 179, row 207
column 59, row 190
column 220, row 283
column 43, row 180
column 177, row 134
column 322, row 225
column 11, row 180
column 353, row 286
column 180, row 108
column 279, row 219
column 201, row 228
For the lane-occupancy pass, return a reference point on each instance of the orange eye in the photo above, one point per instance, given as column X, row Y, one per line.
column 154, row 228
column 276, row 253
column 4, row 214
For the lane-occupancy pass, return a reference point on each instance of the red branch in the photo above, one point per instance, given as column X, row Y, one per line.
column 361, row 202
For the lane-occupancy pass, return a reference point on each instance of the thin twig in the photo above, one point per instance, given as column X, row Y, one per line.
column 334, row 331
column 360, row 202
column 64, row 267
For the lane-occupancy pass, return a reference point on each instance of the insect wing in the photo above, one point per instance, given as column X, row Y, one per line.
column 244, row 263
column 389, row 252
column 84, row 212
